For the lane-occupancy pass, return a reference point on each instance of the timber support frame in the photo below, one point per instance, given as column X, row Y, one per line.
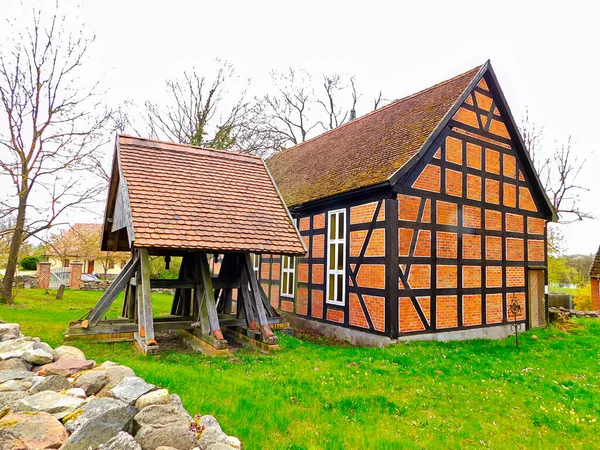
column 202, row 304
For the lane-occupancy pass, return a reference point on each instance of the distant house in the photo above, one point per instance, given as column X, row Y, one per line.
column 81, row 243
column 425, row 217
column 595, row 282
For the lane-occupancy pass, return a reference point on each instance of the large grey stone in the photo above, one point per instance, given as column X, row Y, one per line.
column 209, row 421
column 59, row 405
column 15, row 385
column 37, row 356
column 91, row 382
column 10, row 400
column 76, row 392
column 15, row 347
column 178, row 436
column 159, row 397
column 46, row 347
column 116, row 373
column 9, row 330
column 158, row 416
column 66, row 367
column 99, row 421
column 130, row 389
column 31, row 431
column 176, row 401
column 6, row 375
column 54, row 383
column 14, row 364
column 122, row 441
column 213, row 439
column 69, row 352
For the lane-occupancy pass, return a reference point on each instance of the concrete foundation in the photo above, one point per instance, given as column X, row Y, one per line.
column 361, row 338
column 355, row 337
column 495, row 332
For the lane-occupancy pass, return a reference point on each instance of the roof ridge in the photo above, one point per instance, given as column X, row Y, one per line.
column 188, row 146
column 383, row 108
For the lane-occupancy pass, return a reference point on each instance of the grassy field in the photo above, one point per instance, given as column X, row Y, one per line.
column 313, row 395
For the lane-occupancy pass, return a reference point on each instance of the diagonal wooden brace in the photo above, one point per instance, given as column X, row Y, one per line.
column 257, row 302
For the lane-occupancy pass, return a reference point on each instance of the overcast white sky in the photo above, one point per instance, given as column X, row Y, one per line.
column 545, row 55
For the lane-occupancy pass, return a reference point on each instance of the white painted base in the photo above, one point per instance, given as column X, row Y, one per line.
column 355, row 337
column 495, row 332
column 364, row 339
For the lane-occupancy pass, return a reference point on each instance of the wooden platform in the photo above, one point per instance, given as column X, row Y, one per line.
column 251, row 338
column 201, row 346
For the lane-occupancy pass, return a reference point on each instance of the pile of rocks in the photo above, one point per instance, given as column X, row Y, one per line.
column 56, row 398
column 560, row 313
column 96, row 285
column 25, row 281
column 102, row 285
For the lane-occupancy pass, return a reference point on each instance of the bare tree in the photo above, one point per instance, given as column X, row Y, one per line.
column 285, row 114
column 288, row 116
column 196, row 112
column 558, row 168
column 50, row 129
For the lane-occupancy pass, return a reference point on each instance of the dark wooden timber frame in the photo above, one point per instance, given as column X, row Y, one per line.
column 385, row 195
column 202, row 304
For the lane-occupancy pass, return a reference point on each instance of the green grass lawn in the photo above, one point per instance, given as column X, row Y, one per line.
column 411, row 395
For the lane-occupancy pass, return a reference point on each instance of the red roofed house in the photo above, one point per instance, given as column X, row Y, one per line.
column 423, row 217
column 595, row 282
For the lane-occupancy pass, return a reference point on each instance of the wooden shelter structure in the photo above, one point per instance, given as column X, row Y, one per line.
column 174, row 200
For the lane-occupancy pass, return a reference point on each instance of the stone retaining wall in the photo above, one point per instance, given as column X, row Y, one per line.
column 564, row 313
column 102, row 285
column 25, row 281
column 56, row 398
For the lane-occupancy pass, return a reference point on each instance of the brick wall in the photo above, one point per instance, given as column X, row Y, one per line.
column 43, row 274
column 487, row 227
column 362, row 311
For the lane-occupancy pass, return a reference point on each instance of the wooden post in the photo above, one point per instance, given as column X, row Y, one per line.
column 208, row 297
column 257, row 302
column 113, row 290
column 145, row 335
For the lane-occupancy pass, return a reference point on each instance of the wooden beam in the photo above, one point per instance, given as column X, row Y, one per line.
column 145, row 322
column 257, row 301
column 208, row 297
column 246, row 304
column 113, row 291
column 129, row 327
column 218, row 283
column 171, row 284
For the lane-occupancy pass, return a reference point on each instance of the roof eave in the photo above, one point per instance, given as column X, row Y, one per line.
column 287, row 211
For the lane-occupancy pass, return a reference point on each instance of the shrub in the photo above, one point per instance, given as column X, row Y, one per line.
column 30, row 262
column 582, row 300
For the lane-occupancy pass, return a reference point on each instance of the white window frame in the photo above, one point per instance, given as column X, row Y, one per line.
column 291, row 272
column 255, row 264
column 340, row 213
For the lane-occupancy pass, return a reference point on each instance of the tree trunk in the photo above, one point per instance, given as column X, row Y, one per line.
column 13, row 255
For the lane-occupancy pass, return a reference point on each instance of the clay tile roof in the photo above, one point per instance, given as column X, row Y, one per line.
column 367, row 150
column 198, row 198
column 595, row 269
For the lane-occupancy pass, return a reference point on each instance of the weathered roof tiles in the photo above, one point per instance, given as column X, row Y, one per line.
column 189, row 197
column 367, row 150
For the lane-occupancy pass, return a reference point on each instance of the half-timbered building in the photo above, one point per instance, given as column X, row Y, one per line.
column 423, row 217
